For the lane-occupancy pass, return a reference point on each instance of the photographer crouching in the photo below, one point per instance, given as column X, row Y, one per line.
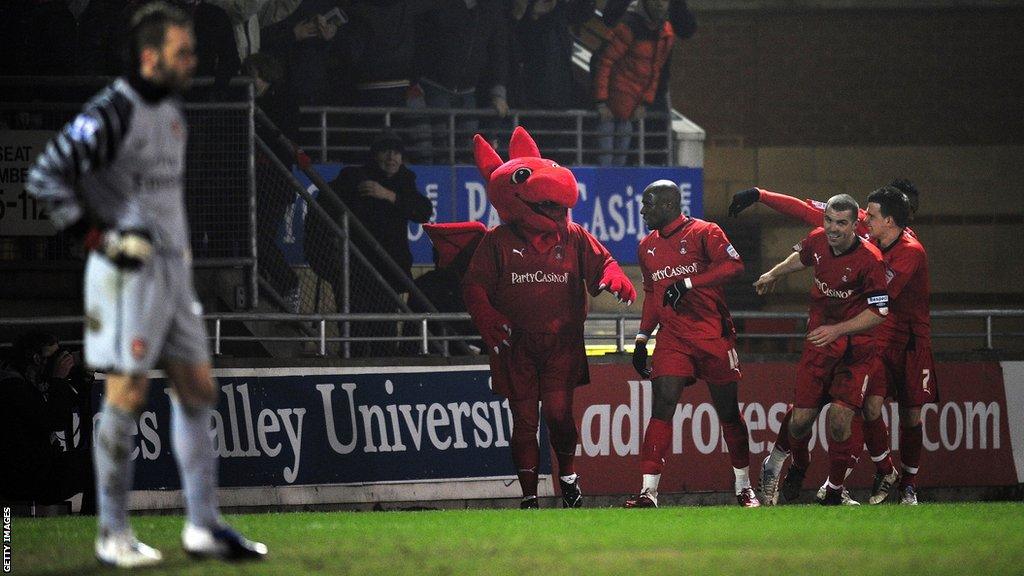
column 42, row 387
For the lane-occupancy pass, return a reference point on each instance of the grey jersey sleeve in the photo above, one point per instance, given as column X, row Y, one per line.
column 86, row 144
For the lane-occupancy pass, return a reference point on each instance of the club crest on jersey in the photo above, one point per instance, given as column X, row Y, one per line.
column 559, row 252
column 177, row 129
column 682, row 246
column 889, row 274
column 846, row 274
column 139, row 347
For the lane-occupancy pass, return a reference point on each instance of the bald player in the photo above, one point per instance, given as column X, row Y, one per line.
column 685, row 263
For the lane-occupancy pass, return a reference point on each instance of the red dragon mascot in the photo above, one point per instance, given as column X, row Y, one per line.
column 526, row 289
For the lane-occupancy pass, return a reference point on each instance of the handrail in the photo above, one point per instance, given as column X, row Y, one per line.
column 619, row 337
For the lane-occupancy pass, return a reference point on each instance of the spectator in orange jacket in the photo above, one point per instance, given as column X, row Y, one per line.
column 626, row 71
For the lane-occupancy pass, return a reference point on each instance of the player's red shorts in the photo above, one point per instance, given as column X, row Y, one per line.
column 715, row 361
column 539, row 363
column 910, row 374
column 822, row 378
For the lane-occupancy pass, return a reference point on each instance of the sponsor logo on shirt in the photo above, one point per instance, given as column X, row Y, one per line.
column 879, row 300
column 540, row 277
column 518, row 251
column 732, row 252
column 651, row 250
column 673, row 271
column 817, row 258
column 832, row 292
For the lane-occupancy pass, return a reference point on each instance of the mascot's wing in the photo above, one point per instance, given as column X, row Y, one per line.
column 455, row 240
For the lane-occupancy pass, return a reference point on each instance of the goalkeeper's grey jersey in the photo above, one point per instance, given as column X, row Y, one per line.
column 122, row 161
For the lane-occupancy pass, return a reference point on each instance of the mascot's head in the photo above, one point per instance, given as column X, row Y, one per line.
column 527, row 190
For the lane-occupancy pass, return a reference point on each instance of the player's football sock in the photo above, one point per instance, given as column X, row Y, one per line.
column 776, row 459
column 742, row 476
column 197, row 462
column 656, row 441
column 839, row 459
column 738, row 441
column 114, row 469
column 911, row 443
column 783, row 440
column 801, row 451
column 650, row 484
column 876, row 436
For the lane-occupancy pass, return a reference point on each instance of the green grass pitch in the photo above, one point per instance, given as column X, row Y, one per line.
column 974, row 538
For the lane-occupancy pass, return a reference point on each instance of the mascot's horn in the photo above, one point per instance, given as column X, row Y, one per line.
column 487, row 160
column 522, row 145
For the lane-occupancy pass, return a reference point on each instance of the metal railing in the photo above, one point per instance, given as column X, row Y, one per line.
column 603, row 328
column 338, row 132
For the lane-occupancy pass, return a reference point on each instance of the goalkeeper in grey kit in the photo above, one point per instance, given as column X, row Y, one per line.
column 116, row 175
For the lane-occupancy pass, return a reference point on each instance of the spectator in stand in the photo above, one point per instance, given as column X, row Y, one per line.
column 463, row 62
column 307, row 43
column 684, row 23
column 382, row 195
column 272, row 202
column 626, row 71
column 216, row 51
column 542, row 64
column 41, row 387
column 245, row 21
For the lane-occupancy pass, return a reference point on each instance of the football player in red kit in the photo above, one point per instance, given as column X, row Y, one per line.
column 848, row 300
column 868, row 427
column 904, row 339
column 685, row 262
column 526, row 289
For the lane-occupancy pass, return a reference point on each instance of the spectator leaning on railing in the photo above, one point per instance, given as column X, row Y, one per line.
column 626, row 70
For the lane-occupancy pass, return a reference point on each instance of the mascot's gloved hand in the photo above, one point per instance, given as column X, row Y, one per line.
column 615, row 281
column 127, row 249
column 494, row 327
column 675, row 293
column 640, row 359
column 742, row 200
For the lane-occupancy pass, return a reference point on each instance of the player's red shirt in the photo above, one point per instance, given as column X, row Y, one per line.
column 539, row 292
column 810, row 211
column 906, row 272
column 844, row 284
column 694, row 249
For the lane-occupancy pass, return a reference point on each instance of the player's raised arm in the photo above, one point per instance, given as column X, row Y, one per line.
column 766, row 283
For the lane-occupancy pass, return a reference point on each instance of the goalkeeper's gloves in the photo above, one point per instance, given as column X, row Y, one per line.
column 128, row 249
column 640, row 358
column 742, row 200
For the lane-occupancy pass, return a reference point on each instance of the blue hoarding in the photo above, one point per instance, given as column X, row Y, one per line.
column 609, row 204
column 297, row 426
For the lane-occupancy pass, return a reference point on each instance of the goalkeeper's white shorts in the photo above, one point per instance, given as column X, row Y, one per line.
column 135, row 318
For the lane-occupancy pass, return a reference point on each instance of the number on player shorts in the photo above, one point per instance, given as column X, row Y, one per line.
column 734, row 359
column 926, row 375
